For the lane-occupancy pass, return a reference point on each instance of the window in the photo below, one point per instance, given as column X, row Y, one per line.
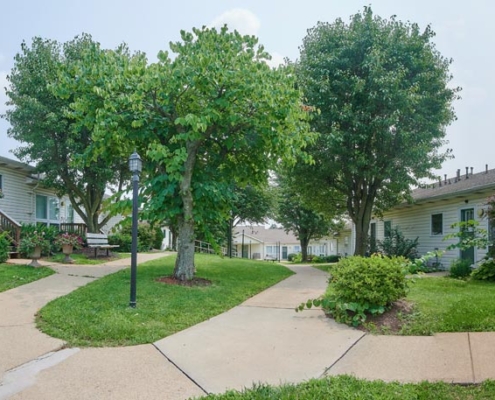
column 387, row 228
column 437, row 224
column 47, row 210
column 373, row 237
column 272, row 250
column 297, row 249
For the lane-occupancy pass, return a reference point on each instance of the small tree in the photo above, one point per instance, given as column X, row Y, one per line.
column 397, row 245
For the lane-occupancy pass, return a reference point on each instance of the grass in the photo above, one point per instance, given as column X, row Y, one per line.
column 451, row 305
column 98, row 313
column 346, row 387
column 323, row 267
column 12, row 276
column 82, row 259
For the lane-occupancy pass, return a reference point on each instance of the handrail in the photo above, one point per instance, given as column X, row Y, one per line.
column 205, row 247
column 12, row 227
column 78, row 228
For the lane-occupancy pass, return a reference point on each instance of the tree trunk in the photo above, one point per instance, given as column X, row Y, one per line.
column 304, row 248
column 362, row 225
column 184, row 264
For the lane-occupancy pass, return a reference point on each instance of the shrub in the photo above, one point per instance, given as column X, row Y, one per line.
column 4, row 248
column 486, row 271
column 397, row 245
column 376, row 280
column 422, row 264
column 291, row 257
column 363, row 286
column 123, row 238
column 460, row 269
column 158, row 239
column 297, row 258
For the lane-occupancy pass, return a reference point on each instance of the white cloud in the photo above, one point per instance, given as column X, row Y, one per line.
column 276, row 60
column 242, row 20
column 3, row 96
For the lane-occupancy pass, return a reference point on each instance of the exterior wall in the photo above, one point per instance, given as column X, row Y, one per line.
column 345, row 243
column 18, row 201
column 259, row 250
column 415, row 221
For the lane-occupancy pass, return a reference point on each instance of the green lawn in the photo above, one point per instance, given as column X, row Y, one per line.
column 12, row 276
column 451, row 305
column 98, row 313
column 347, row 388
column 82, row 259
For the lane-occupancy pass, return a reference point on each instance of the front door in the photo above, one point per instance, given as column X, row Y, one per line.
column 466, row 215
column 284, row 253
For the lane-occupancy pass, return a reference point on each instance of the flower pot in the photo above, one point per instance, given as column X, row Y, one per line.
column 67, row 250
column 35, row 256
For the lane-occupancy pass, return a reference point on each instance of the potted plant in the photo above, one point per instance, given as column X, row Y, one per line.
column 68, row 242
column 32, row 245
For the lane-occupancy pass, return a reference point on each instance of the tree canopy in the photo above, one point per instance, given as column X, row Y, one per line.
column 62, row 150
column 213, row 117
column 382, row 91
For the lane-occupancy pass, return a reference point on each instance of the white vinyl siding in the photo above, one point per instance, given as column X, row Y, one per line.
column 415, row 221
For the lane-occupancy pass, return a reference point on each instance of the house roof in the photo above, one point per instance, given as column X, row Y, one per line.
column 458, row 186
column 263, row 235
column 15, row 165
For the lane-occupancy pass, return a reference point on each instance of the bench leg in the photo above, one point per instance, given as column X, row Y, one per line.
column 96, row 252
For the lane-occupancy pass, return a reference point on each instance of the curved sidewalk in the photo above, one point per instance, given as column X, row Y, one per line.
column 262, row 340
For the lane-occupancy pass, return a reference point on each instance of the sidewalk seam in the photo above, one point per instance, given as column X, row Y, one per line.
column 471, row 357
column 181, row 370
column 342, row 356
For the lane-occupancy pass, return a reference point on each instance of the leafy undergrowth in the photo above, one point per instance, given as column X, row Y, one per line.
column 346, row 387
column 98, row 314
column 12, row 276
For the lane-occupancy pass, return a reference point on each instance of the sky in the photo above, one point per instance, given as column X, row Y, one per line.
column 465, row 32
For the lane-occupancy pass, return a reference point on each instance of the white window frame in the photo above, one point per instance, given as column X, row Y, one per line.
column 49, row 220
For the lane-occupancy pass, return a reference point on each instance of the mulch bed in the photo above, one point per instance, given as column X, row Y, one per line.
column 170, row 280
column 389, row 322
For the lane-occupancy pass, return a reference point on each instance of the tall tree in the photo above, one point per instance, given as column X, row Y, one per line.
column 384, row 100
column 62, row 150
column 212, row 117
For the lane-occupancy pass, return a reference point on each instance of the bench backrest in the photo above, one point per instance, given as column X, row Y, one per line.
column 97, row 239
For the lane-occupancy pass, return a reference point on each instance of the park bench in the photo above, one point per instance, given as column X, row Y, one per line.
column 99, row 241
column 269, row 257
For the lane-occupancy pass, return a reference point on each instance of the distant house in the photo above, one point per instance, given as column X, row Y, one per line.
column 258, row 242
column 435, row 208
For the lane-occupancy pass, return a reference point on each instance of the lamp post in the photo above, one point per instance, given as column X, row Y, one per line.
column 135, row 166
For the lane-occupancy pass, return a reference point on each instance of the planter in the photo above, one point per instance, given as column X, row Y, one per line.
column 67, row 249
column 35, row 256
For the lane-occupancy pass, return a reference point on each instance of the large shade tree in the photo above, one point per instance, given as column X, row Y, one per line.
column 213, row 117
column 384, row 98
column 62, row 150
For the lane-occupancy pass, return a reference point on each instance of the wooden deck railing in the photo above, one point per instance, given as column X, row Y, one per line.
column 13, row 229
column 80, row 229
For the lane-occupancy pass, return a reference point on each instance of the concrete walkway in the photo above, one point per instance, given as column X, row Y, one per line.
column 262, row 340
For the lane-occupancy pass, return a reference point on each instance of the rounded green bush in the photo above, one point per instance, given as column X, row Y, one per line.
column 4, row 248
column 376, row 280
